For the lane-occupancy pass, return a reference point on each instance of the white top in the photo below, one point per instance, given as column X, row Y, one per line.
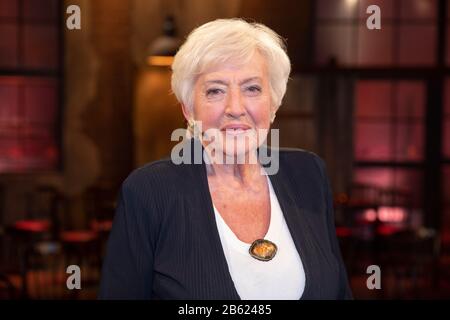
column 281, row 278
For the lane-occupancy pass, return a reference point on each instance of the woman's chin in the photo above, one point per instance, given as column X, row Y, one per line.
column 234, row 148
column 240, row 155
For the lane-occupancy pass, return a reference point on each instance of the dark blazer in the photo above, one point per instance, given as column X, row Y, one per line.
column 165, row 244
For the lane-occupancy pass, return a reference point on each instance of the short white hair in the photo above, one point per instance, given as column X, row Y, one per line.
column 225, row 40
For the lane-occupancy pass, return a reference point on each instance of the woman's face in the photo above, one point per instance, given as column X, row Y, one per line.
column 236, row 101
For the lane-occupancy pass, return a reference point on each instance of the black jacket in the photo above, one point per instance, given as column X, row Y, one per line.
column 164, row 243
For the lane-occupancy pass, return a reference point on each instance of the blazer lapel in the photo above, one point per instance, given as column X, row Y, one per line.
column 294, row 215
column 216, row 255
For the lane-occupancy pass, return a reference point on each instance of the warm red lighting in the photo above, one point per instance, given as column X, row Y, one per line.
column 412, row 152
column 15, row 153
column 391, row 214
column 32, row 225
column 78, row 236
column 387, row 230
column 343, row 232
column 51, row 153
column 385, row 214
column 370, row 215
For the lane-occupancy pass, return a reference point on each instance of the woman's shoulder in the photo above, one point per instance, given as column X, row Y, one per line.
column 153, row 175
column 301, row 158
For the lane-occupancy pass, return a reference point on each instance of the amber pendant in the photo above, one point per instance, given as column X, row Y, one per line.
column 263, row 250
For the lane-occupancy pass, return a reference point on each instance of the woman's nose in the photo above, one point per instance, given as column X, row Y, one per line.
column 235, row 104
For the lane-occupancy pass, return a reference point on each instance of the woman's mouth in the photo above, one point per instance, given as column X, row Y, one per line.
column 235, row 129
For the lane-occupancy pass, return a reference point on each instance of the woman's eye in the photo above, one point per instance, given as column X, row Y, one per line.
column 253, row 89
column 213, row 92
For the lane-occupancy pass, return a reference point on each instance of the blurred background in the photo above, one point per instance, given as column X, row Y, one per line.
column 80, row 109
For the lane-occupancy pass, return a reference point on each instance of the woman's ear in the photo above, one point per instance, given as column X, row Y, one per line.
column 186, row 112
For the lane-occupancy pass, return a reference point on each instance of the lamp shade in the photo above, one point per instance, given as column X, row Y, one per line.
column 162, row 50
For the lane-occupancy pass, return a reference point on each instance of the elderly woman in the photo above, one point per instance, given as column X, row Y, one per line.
column 226, row 229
